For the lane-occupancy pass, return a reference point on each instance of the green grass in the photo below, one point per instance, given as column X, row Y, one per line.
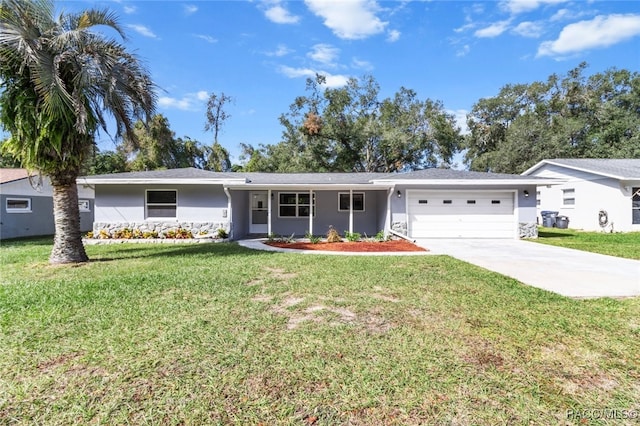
column 218, row 334
column 620, row 245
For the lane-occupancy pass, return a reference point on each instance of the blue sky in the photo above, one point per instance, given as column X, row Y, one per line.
column 261, row 52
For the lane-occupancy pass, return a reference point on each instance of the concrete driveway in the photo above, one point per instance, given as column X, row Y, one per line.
column 568, row 272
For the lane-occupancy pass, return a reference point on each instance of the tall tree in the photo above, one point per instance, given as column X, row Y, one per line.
column 570, row 116
column 59, row 78
column 216, row 117
column 349, row 129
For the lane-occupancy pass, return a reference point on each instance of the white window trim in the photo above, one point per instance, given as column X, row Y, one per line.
column 364, row 204
column 81, row 204
column 20, row 210
column 297, row 204
column 568, row 194
column 146, row 204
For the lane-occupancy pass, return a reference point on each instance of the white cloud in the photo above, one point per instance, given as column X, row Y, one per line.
column 602, row 31
column 129, row 9
column 461, row 119
column 393, row 36
column 360, row 64
column 189, row 102
column 190, row 9
column 202, row 95
column 349, row 19
column 529, row 29
column 324, row 54
column 463, row 51
column 522, row 6
column 142, row 30
column 206, row 38
column 493, row 30
column 275, row 12
column 281, row 50
column 332, row 80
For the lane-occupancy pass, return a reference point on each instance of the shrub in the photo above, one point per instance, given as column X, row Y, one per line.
column 313, row 239
column 222, row 233
column 89, row 235
column 352, row 236
column 333, row 236
column 104, row 234
column 381, row 237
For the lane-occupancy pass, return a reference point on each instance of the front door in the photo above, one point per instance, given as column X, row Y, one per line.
column 259, row 213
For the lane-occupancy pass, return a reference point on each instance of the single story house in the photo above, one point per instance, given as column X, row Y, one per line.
column 433, row 203
column 595, row 194
column 27, row 205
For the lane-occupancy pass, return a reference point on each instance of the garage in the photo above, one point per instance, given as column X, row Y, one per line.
column 461, row 214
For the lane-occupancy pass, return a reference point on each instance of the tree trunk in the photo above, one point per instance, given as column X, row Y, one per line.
column 67, row 244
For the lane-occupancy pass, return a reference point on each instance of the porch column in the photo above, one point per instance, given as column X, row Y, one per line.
column 351, row 211
column 311, row 205
column 269, row 194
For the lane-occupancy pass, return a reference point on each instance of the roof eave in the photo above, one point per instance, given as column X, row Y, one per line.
column 162, row 181
column 580, row 169
column 470, row 182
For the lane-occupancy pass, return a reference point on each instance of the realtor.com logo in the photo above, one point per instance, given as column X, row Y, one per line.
column 602, row 414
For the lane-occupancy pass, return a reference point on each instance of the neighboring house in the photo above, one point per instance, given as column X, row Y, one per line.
column 595, row 194
column 434, row 203
column 27, row 205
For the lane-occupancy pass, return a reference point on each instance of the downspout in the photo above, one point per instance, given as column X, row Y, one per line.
column 229, row 212
column 397, row 234
column 388, row 224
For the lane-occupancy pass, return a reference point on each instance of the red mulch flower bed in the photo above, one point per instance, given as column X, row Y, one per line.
column 360, row 246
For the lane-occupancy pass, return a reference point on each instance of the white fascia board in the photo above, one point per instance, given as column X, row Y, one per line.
column 225, row 182
column 310, row 187
column 580, row 169
column 472, row 182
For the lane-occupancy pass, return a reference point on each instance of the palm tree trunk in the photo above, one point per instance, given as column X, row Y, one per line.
column 67, row 243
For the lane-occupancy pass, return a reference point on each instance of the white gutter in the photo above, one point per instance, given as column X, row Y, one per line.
column 469, row 182
column 196, row 181
column 229, row 212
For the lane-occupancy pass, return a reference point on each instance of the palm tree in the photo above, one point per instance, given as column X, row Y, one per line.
column 59, row 81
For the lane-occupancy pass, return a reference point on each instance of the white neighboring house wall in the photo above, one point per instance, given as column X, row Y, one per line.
column 592, row 193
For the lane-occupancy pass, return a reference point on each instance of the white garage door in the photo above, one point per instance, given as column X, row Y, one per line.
column 447, row 214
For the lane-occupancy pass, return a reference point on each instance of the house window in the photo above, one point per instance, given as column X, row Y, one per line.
column 18, row 205
column 568, row 197
column 358, row 201
column 296, row 204
column 537, row 198
column 162, row 204
column 84, row 205
column 635, row 206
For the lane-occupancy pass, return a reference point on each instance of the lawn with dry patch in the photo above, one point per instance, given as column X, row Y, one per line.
column 219, row 334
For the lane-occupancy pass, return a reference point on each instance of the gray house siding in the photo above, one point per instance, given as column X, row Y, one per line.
column 37, row 222
column 239, row 214
column 198, row 208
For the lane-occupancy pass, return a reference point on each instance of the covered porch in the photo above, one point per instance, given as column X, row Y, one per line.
column 298, row 210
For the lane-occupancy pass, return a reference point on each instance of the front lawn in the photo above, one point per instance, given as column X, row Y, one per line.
column 219, row 334
column 619, row 244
